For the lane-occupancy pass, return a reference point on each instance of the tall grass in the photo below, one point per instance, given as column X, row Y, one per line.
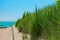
column 43, row 23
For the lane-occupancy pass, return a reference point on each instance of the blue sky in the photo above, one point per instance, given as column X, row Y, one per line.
column 11, row 10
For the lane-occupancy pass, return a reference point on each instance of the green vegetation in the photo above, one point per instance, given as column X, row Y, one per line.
column 43, row 23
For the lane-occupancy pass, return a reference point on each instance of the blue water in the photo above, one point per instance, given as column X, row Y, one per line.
column 6, row 24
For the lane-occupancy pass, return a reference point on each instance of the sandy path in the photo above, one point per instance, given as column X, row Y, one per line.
column 17, row 35
column 6, row 34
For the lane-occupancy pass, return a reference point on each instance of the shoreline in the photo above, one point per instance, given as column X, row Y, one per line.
column 7, row 26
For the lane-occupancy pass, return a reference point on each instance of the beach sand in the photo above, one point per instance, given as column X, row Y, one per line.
column 6, row 34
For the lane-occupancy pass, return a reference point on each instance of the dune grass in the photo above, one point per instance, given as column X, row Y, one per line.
column 43, row 23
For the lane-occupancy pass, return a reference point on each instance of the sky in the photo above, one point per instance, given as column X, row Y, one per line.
column 12, row 10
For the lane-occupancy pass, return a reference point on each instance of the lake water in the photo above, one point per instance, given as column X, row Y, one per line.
column 6, row 24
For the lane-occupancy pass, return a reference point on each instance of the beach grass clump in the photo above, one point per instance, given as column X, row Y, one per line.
column 41, row 24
